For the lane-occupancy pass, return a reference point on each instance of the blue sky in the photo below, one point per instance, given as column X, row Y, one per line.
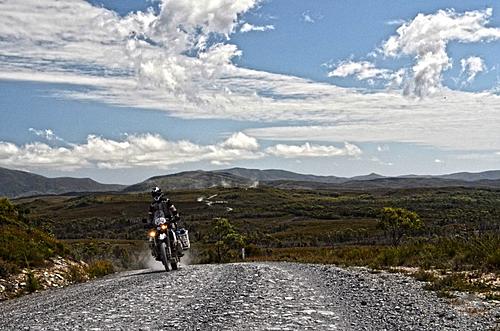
column 114, row 91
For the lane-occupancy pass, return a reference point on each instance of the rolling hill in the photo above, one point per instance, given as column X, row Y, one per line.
column 16, row 183
column 192, row 180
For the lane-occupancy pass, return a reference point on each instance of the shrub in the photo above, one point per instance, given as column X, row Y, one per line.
column 100, row 268
column 7, row 268
column 32, row 283
column 397, row 222
column 424, row 276
column 76, row 274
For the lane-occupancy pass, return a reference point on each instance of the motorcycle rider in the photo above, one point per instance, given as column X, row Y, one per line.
column 162, row 207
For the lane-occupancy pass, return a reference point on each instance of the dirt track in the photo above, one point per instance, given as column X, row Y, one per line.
column 252, row 296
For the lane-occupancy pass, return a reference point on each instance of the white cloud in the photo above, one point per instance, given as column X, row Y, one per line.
column 471, row 66
column 363, row 70
column 47, row 134
column 306, row 17
column 172, row 51
column 152, row 150
column 453, row 121
column 312, row 150
column 169, row 50
column 426, row 37
column 147, row 150
column 247, row 27
column 311, row 18
column 241, row 141
column 395, row 22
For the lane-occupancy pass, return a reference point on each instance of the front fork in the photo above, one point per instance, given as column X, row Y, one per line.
column 171, row 237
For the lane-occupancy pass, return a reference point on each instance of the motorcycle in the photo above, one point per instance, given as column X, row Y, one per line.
column 168, row 243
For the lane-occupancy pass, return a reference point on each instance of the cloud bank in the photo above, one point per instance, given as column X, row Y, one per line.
column 152, row 150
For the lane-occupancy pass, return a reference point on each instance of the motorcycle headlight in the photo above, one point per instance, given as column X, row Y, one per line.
column 152, row 233
column 164, row 226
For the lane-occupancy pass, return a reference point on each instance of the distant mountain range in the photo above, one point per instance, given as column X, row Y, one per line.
column 14, row 183
column 242, row 177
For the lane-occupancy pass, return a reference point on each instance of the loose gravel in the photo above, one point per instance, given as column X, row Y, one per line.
column 245, row 296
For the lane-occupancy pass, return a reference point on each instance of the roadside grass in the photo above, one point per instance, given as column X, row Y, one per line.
column 21, row 245
column 464, row 260
column 100, row 268
column 122, row 254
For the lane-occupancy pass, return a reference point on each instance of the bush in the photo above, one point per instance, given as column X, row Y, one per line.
column 22, row 245
column 7, row 268
column 424, row 276
column 76, row 274
column 100, row 268
column 32, row 283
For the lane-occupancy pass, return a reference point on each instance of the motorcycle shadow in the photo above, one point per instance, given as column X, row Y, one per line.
column 143, row 273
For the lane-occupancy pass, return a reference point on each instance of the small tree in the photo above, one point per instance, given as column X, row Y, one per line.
column 397, row 222
column 227, row 239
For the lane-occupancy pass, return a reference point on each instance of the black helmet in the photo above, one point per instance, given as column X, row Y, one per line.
column 156, row 192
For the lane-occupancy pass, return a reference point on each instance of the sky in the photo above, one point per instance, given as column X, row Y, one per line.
column 121, row 90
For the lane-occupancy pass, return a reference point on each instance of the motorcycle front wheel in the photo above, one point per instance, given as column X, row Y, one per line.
column 164, row 257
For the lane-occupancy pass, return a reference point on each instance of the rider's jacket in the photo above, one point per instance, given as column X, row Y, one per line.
column 162, row 208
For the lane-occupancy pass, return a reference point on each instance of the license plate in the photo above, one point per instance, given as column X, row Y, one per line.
column 163, row 236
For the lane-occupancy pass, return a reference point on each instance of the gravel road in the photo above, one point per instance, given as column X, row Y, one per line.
column 249, row 296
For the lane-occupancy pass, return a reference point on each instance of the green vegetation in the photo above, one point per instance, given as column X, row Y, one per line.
column 398, row 222
column 22, row 245
column 100, row 268
column 227, row 241
column 32, row 283
column 123, row 254
column 454, row 229
column 77, row 274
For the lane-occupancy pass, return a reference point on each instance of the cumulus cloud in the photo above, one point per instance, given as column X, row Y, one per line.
column 471, row 66
column 173, row 49
column 312, row 150
column 180, row 50
column 148, row 150
column 152, row 150
column 365, row 70
column 426, row 38
column 247, row 27
column 241, row 141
